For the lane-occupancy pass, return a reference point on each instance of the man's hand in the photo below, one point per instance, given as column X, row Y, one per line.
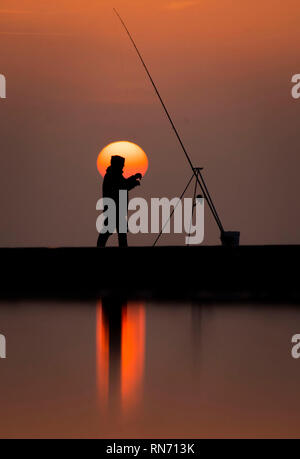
column 138, row 176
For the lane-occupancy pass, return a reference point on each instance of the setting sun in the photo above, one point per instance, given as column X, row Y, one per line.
column 135, row 158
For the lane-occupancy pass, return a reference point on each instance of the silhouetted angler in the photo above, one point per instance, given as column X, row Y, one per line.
column 113, row 182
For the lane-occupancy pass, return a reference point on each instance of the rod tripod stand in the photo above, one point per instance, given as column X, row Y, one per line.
column 199, row 182
column 228, row 238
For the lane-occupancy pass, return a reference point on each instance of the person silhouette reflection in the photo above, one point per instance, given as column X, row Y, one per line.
column 113, row 182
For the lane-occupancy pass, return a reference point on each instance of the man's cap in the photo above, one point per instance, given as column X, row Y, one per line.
column 117, row 160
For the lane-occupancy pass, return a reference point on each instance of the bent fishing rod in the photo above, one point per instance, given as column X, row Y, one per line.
column 203, row 186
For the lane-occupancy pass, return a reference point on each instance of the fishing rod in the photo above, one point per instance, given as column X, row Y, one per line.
column 203, row 186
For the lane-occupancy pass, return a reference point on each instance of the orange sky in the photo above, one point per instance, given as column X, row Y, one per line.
column 74, row 85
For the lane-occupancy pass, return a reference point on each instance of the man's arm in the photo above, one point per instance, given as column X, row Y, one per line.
column 133, row 181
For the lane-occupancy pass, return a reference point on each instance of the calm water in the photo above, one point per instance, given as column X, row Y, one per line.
column 148, row 370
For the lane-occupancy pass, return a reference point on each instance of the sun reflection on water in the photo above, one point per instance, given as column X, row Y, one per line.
column 120, row 340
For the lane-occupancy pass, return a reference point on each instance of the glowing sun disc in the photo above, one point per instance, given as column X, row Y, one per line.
column 135, row 158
